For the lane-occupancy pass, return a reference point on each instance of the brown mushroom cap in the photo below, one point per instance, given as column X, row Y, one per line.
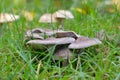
column 37, row 30
column 50, row 41
column 47, row 18
column 63, row 14
column 62, row 53
column 60, row 34
column 84, row 42
column 5, row 17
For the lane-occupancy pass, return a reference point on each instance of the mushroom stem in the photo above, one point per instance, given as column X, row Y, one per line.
column 60, row 23
column 51, row 25
column 65, row 62
column 1, row 29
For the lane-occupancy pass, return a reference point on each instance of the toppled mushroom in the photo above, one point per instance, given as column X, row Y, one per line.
column 84, row 42
column 38, row 33
column 49, row 32
column 34, row 34
column 39, row 44
column 60, row 15
column 47, row 18
column 5, row 17
column 63, row 54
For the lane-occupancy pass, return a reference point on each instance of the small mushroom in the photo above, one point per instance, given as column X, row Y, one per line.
column 5, row 17
column 39, row 44
column 84, row 42
column 60, row 15
column 63, row 54
column 47, row 18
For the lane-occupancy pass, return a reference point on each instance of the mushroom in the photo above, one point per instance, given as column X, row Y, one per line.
column 40, row 44
column 84, row 42
column 63, row 54
column 47, row 18
column 5, row 17
column 64, row 41
column 60, row 15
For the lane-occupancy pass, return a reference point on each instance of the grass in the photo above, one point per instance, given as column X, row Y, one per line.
column 95, row 63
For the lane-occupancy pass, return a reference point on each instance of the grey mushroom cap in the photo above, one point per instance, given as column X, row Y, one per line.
column 47, row 18
column 84, row 42
column 62, row 53
column 49, row 42
column 67, row 34
column 5, row 17
column 52, row 41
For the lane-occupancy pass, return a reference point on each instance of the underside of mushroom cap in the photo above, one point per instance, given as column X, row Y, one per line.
column 5, row 17
column 50, row 42
column 84, row 42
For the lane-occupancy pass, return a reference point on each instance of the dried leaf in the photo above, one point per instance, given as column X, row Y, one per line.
column 82, row 11
column 28, row 15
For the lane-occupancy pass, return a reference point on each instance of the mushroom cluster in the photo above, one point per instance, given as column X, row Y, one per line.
column 65, row 41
